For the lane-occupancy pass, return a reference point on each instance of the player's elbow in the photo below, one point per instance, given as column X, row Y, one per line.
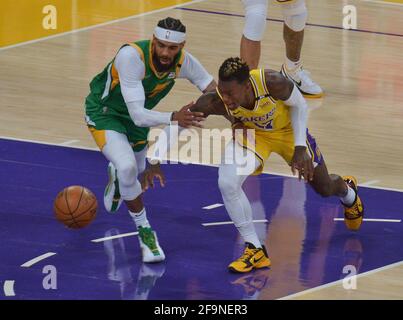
column 139, row 122
column 138, row 117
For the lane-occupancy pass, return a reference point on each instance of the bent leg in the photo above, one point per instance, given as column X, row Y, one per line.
column 230, row 183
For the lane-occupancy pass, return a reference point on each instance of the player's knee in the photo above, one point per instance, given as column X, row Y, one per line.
column 295, row 15
column 255, row 20
column 127, row 173
column 130, row 192
column 223, row 184
column 227, row 183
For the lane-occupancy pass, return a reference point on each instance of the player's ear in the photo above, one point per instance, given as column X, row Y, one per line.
column 182, row 45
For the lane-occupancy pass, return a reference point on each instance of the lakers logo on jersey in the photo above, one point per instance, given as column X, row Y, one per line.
column 263, row 122
column 268, row 114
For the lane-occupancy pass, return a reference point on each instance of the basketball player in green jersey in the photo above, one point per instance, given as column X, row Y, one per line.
column 119, row 114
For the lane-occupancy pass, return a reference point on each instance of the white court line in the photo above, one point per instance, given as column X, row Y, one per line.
column 115, row 237
column 9, row 288
column 100, row 25
column 373, row 220
column 228, row 222
column 195, row 163
column 213, row 206
column 31, row 262
column 383, row 2
column 330, row 284
column 370, row 182
column 49, row 143
column 69, row 142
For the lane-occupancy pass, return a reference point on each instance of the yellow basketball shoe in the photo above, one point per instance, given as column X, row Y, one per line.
column 252, row 258
column 353, row 215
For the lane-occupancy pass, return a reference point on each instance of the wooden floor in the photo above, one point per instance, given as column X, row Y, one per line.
column 358, row 124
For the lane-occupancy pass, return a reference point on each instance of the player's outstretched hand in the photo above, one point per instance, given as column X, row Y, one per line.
column 302, row 163
column 147, row 179
column 187, row 118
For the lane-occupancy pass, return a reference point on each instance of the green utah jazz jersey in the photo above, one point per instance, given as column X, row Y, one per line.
column 105, row 98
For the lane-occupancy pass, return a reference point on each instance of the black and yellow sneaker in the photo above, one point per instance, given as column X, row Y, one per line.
column 252, row 258
column 353, row 215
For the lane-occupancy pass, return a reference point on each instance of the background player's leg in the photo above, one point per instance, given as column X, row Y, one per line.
column 255, row 25
column 293, row 46
column 295, row 15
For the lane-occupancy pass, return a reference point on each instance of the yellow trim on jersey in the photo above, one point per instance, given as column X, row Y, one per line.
column 219, row 94
column 114, row 76
column 114, row 73
column 263, row 75
column 141, row 53
column 180, row 62
column 255, row 90
column 137, row 143
column 99, row 137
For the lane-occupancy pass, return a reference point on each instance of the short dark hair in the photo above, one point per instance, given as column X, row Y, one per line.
column 172, row 24
column 234, row 69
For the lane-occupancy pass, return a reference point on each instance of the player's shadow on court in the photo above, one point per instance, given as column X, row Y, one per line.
column 120, row 270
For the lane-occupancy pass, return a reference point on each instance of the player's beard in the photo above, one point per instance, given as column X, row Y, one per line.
column 162, row 67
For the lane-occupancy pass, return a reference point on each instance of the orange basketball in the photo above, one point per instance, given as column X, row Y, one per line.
column 75, row 207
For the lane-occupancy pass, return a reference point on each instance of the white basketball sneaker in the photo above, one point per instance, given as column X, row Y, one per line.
column 303, row 81
column 112, row 199
column 150, row 248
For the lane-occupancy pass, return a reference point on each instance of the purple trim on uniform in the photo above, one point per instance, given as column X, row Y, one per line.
column 313, row 148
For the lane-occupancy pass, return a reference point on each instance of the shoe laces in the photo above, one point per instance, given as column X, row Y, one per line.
column 248, row 253
column 304, row 76
column 148, row 237
column 355, row 207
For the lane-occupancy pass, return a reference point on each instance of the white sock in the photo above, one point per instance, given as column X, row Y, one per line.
column 292, row 65
column 140, row 218
column 349, row 198
column 248, row 233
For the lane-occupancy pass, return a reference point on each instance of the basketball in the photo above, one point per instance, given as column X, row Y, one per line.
column 75, row 207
